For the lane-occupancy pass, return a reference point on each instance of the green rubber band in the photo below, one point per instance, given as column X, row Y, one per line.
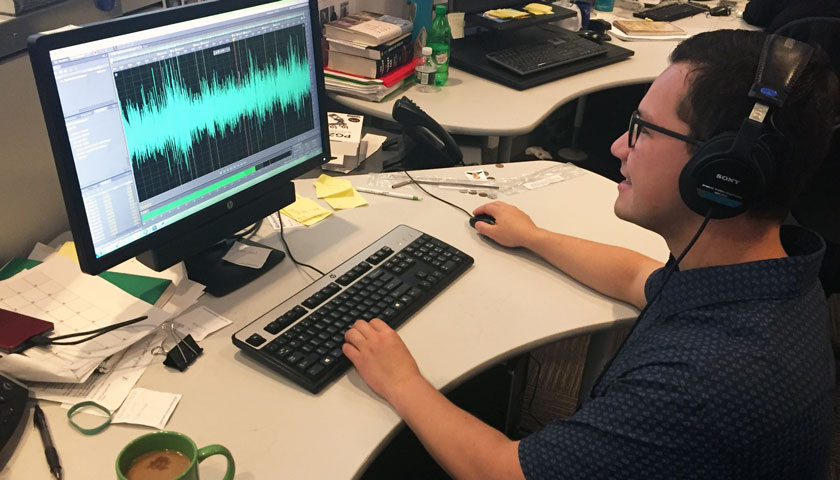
column 88, row 431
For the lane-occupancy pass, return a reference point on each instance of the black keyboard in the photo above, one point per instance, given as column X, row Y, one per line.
column 669, row 13
column 390, row 279
column 534, row 57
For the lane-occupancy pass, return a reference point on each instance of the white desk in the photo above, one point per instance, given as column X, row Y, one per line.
column 507, row 303
column 472, row 105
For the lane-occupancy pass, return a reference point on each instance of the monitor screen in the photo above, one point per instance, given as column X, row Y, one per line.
column 181, row 126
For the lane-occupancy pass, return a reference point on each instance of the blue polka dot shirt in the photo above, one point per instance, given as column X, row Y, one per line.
column 728, row 375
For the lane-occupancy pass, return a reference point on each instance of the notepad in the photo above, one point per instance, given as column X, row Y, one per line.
column 647, row 28
column 338, row 192
column 306, row 211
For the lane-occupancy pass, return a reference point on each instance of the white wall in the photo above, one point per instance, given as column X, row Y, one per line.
column 31, row 206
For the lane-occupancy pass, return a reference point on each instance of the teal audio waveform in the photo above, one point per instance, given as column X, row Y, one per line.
column 170, row 118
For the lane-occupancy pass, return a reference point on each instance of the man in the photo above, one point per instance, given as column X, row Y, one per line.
column 728, row 372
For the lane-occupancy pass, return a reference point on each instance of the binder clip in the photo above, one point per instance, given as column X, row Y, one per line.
column 184, row 353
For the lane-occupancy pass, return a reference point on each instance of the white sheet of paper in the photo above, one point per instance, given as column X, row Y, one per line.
column 40, row 252
column 276, row 218
column 58, row 291
column 200, row 322
column 108, row 390
column 374, row 142
column 147, row 407
column 247, row 255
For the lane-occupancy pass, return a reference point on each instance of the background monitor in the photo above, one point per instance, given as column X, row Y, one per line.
column 175, row 129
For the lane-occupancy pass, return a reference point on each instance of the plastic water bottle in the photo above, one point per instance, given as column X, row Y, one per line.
column 426, row 71
column 440, row 36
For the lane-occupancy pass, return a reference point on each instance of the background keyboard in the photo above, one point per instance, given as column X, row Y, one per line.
column 534, row 57
column 391, row 279
column 669, row 13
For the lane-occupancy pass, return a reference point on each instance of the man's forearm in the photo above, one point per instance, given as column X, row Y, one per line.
column 614, row 271
column 463, row 445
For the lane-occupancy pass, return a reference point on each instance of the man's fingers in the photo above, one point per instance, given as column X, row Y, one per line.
column 378, row 325
column 350, row 351
column 354, row 336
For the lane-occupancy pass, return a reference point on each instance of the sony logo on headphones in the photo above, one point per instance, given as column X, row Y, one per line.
column 727, row 179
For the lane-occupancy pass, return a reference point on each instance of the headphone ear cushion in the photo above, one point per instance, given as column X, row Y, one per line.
column 717, row 182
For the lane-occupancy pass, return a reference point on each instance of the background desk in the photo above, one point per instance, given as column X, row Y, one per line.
column 472, row 105
column 508, row 302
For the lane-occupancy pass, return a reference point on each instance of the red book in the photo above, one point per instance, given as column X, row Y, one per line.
column 397, row 75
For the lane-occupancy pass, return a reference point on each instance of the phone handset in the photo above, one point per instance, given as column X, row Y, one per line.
column 436, row 144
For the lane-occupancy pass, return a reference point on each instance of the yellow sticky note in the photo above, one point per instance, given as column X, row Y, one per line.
column 506, row 13
column 305, row 209
column 346, row 199
column 538, row 9
column 316, row 219
column 68, row 250
column 326, row 186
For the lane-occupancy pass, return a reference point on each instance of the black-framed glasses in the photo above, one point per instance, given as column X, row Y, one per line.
column 636, row 125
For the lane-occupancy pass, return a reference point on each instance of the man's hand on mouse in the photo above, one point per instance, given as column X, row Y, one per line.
column 513, row 227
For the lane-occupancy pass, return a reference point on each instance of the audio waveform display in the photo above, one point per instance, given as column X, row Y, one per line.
column 192, row 114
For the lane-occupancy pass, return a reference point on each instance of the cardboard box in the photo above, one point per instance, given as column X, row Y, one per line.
column 346, row 144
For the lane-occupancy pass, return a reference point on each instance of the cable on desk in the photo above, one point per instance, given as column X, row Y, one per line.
column 435, row 196
column 43, row 341
column 289, row 251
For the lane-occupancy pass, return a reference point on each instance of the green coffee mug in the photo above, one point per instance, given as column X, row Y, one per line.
column 178, row 442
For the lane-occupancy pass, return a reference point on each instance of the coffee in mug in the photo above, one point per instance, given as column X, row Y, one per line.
column 167, row 456
column 158, row 465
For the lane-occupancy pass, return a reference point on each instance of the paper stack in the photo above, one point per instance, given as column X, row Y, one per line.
column 370, row 55
column 57, row 291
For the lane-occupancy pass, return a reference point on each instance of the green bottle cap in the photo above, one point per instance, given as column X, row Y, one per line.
column 440, row 9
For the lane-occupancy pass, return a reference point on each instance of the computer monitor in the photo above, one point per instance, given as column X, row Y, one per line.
column 174, row 129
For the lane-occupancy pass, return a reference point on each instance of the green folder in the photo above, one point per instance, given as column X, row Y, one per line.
column 148, row 289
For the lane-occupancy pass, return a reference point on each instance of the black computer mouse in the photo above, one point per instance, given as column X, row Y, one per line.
column 720, row 11
column 482, row 217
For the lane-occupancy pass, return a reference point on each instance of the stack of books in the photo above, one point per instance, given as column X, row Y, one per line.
column 370, row 55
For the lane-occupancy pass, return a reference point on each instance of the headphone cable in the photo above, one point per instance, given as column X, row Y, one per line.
column 654, row 298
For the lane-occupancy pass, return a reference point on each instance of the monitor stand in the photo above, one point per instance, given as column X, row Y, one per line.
column 202, row 251
column 221, row 277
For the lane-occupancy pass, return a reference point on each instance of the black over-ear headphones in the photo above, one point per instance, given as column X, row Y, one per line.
column 731, row 170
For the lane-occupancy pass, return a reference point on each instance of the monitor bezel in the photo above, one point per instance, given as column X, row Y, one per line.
column 40, row 45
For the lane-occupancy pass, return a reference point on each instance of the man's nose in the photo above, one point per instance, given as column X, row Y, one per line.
column 619, row 147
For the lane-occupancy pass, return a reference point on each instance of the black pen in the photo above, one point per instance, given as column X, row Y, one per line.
column 49, row 448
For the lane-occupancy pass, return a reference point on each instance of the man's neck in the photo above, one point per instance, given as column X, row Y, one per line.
column 728, row 242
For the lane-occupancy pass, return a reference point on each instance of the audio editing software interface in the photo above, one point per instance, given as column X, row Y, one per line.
column 172, row 119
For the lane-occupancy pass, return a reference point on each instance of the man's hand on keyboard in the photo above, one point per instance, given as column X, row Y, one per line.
column 380, row 356
column 513, row 228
